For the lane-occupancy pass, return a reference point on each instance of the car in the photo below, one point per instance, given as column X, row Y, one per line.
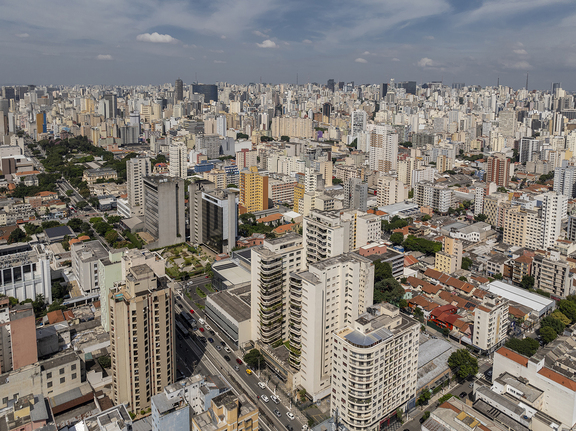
column 248, row 371
column 218, row 348
column 471, row 385
column 208, row 326
column 191, row 311
column 264, row 398
column 227, row 349
column 212, row 332
column 275, row 399
column 236, row 367
column 290, row 415
column 261, row 385
column 211, row 339
column 202, row 322
column 239, row 361
column 207, row 276
column 227, row 358
column 201, row 329
column 222, row 343
column 277, row 413
column 463, row 394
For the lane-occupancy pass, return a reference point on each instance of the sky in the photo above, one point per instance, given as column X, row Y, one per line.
column 140, row 42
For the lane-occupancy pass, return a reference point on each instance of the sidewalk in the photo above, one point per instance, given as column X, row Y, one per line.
column 279, row 388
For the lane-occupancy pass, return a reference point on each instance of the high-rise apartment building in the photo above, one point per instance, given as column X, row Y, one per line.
column 331, row 233
column 213, row 217
column 210, row 91
column 383, row 148
column 17, row 336
column 491, row 323
column 356, row 194
column 554, row 210
column 405, row 169
column 437, row 197
column 552, row 275
column 141, row 338
column 246, row 158
column 565, row 181
column 449, row 259
column 179, row 90
column 522, row 227
column 498, row 170
column 374, row 367
column 326, row 298
column 391, row 191
column 253, row 191
column 529, row 149
column 358, row 122
column 136, row 169
column 272, row 263
column 444, row 163
column 164, row 210
column 178, row 158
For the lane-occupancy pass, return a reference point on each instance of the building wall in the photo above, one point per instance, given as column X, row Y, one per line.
column 164, row 210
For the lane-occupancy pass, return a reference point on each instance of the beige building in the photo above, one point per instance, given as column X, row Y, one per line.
column 444, row 163
column 491, row 208
column 136, row 169
column 292, row 127
column 522, row 228
column 449, row 259
column 391, row 191
column 374, row 367
column 141, row 338
column 227, row 412
column 490, row 323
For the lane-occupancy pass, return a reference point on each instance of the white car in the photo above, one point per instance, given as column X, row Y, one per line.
column 208, row 326
column 264, row 398
column 275, row 399
column 261, row 385
column 202, row 322
column 290, row 415
column 227, row 349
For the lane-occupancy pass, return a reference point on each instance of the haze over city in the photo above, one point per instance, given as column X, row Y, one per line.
column 133, row 42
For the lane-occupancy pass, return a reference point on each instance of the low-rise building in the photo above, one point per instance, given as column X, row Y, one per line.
column 552, row 275
column 93, row 175
column 228, row 412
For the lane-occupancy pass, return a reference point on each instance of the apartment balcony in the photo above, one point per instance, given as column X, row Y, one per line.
column 360, row 394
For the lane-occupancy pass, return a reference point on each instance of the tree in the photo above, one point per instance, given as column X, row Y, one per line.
column 253, row 357
column 39, row 305
column 105, row 361
column 388, row 290
column 382, row 270
column 426, row 217
column 410, row 194
column 527, row 282
column 548, row 334
column 561, row 317
column 498, row 276
column 463, row 363
column 466, row 263
column 551, row 322
column 527, row 347
column 111, row 236
column 81, row 205
column 502, row 190
column 402, row 303
column 568, row 308
column 444, row 398
column 336, row 181
column 241, row 136
column 232, row 185
column 397, row 238
column 462, row 278
column 69, row 192
column 285, row 138
column 17, row 235
column 75, row 224
column 480, row 217
column 114, row 219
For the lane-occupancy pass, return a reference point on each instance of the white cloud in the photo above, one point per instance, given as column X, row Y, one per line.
column 307, row 41
column 222, row 37
column 395, row 59
column 104, row 57
column 267, row 44
column 518, row 65
column 366, row 53
column 23, row 35
column 361, row 60
column 155, row 38
column 259, row 33
column 429, row 37
column 219, row 62
column 425, row 62
column 520, row 51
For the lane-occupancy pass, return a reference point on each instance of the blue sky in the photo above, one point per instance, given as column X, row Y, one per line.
column 239, row 41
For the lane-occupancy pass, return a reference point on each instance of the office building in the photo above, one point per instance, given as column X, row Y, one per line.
column 210, row 91
column 253, row 191
column 374, row 367
column 565, row 181
column 330, row 85
column 164, row 210
column 246, row 158
column 498, row 170
column 552, row 275
column 271, row 265
column 490, row 323
column 179, row 90
column 221, row 125
column 420, row 175
column 281, row 191
column 141, row 338
column 437, row 197
column 326, row 298
column 390, row 191
column 178, row 160
column 136, row 169
column 213, row 217
column 331, row 233
column 409, row 86
column 383, row 91
column 356, row 194
column 17, row 336
column 25, row 272
column 358, row 123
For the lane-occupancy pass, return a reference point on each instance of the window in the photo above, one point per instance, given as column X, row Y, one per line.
column 5, row 400
column 73, row 367
column 73, row 376
column 48, row 375
column 49, row 384
column 62, row 380
column 61, row 371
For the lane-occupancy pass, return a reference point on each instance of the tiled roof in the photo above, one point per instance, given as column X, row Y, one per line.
column 558, row 378
column 513, row 356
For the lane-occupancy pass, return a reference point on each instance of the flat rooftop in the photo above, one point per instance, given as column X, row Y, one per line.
column 233, row 305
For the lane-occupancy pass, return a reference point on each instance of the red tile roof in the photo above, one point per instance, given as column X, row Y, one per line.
column 558, row 378
column 513, row 356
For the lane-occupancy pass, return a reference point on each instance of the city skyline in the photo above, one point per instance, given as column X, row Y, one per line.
column 129, row 43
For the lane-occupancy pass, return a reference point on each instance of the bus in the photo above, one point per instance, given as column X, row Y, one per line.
column 187, row 318
column 182, row 329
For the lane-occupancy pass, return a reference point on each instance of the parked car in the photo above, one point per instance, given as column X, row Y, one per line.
column 261, row 385
column 211, row 340
column 274, row 399
column 227, row 358
column 264, row 398
column 277, row 413
column 290, row 415
column 239, row 361
column 248, row 371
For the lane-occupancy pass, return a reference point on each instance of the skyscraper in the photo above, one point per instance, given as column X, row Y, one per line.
column 164, row 210
column 141, row 338
column 210, row 91
column 253, row 191
column 358, row 123
column 331, row 85
column 178, row 160
column 498, row 170
column 383, row 148
column 565, row 181
column 136, row 169
column 179, row 90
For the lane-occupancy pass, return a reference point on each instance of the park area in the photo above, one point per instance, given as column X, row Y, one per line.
column 184, row 261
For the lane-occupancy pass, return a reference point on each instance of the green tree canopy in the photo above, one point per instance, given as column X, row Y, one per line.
column 548, row 334
column 480, row 217
column 553, row 323
column 388, row 290
column 466, row 263
column 252, row 357
column 561, row 317
column 568, row 308
column 463, row 363
column 527, row 282
column 421, row 244
column 397, row 238
column 527, row 346
column 382, row 270
column 17, row 235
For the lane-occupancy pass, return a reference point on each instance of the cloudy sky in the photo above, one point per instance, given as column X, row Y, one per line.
column 239, row 41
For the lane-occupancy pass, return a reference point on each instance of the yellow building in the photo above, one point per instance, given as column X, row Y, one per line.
column 253, row 191
column 449, row 259
column 299, row 190
column 228, row 413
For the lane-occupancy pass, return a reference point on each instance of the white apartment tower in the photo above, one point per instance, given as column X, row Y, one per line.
column 491, row 323
column 554, row 209
column 374, row 367
column 565, row 181
column 178, row 160
column 272, row 263
column 358, row 123
column 383, row 148
column 136, row 169
column 391, row 191
column 324, row 299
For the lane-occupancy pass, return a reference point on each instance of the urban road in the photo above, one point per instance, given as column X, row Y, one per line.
column 195, row 356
